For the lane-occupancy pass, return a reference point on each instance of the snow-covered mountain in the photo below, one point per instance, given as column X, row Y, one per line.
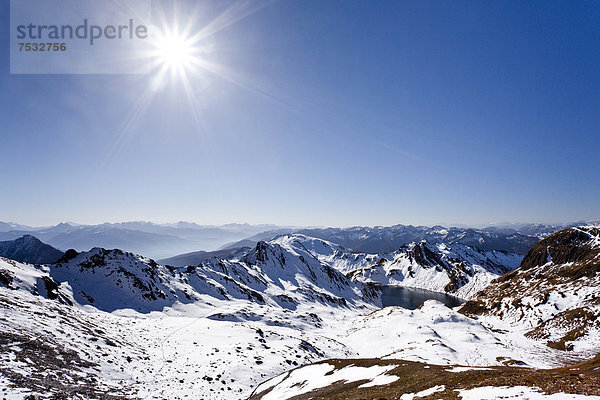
column 113, row 324
column 380, row 239
column 456, row 269
column 387, row 239
column 515, row 238
column 554, row 295
column 168, row 240
column 267, row 274
column 286, row 271
column 29, row 249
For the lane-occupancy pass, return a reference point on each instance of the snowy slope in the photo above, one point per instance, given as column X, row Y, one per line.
column 33, row 279
column 222, row 349
column 554, row 295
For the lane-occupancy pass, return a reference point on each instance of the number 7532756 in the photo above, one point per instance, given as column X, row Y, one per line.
column 35, row 46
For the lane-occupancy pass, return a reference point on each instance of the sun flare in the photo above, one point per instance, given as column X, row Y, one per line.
column 174, row 51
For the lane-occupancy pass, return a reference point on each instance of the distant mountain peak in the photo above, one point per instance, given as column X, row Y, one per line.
column 30, row 249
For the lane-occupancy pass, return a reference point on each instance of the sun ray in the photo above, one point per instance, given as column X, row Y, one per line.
column 180, row 52
column 124, row 134
column 233, row 14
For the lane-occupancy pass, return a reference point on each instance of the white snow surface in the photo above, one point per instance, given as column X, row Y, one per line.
column 309, row 378
column 423, row 393
column 222, row 349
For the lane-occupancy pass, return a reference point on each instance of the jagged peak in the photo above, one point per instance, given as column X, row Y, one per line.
column 100, row 257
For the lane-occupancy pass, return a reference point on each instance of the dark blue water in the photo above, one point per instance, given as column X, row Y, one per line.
column 412, row 298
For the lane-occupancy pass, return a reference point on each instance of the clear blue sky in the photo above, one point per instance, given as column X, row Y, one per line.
column 325, row 113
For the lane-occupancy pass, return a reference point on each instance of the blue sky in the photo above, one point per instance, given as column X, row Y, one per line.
column 324, row 113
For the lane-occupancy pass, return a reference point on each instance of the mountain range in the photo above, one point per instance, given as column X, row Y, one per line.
column 380, row 239
column 154, row 240
column 165, row 241
column 306, row 312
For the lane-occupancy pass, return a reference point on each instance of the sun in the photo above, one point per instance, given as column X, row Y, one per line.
column 177, row 55
column 174, row 50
